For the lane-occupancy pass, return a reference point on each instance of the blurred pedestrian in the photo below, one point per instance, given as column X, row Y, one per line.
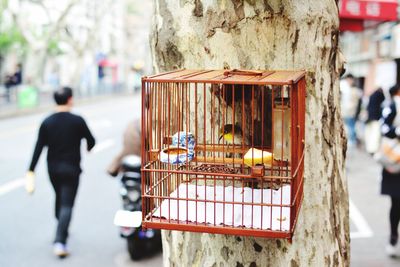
column 350, row 102
column 13, row 80
column 131, row 146
column 372, row 125
column 61, row 133
column 391, row 181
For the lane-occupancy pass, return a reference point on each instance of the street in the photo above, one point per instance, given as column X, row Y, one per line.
column 369, row 212
column 27, row 223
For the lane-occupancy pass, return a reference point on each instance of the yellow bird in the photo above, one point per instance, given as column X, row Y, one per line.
column 231, row 134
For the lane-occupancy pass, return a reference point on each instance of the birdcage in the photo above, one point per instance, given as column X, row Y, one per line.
column 223, row 151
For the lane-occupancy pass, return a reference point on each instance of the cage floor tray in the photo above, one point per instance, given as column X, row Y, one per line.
column 238, row 215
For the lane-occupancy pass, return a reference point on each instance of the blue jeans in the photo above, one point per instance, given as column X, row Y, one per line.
column 350, row 124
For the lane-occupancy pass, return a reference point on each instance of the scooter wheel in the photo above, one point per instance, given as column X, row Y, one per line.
column 135, row 249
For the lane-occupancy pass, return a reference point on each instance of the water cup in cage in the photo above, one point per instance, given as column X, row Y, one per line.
column 176, row 155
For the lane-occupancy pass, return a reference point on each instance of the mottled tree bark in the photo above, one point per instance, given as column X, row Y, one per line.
column 268, row 34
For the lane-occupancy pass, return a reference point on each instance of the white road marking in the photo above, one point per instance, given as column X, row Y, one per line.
column 11, row 185
column 363, row 229
column 103, row 145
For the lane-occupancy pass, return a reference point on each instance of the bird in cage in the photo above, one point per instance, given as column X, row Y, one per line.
column 232, row 134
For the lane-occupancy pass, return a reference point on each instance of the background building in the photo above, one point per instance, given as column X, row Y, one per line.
column 370, row 41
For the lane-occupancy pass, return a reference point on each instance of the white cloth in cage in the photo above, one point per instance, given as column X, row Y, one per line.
column 246, row 215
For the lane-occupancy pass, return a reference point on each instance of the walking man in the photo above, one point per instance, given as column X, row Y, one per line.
column 62, row 133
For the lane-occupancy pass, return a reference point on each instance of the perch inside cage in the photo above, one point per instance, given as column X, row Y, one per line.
column 223, row 151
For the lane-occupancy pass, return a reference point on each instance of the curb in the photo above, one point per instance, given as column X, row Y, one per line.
column 49, row 106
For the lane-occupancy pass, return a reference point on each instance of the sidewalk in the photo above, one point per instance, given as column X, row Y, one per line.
column 46, row 102
column 368, row 248
column 11, row 108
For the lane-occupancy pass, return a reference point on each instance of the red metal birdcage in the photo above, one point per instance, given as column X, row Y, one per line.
column 223, row 151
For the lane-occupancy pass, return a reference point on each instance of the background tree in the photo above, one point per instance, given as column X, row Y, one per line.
column 269, row 34
column 63, row 42
column 11, row 37
column 42, row 40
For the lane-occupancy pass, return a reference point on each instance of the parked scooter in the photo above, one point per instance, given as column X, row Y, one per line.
column 141, row 243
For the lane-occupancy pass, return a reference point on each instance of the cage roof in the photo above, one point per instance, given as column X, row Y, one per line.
column 259, row 77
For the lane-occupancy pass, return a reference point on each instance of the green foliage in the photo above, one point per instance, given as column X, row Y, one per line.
column 10, row 35
column 10, row 38
column 53, row 48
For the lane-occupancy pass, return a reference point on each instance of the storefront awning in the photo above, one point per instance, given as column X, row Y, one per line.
column 353, row 13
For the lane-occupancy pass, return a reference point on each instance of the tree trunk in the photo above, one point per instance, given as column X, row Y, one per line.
column 34, row 65
column 269, row 34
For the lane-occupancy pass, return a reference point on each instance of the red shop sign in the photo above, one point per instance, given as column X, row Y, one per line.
column 385, row 10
